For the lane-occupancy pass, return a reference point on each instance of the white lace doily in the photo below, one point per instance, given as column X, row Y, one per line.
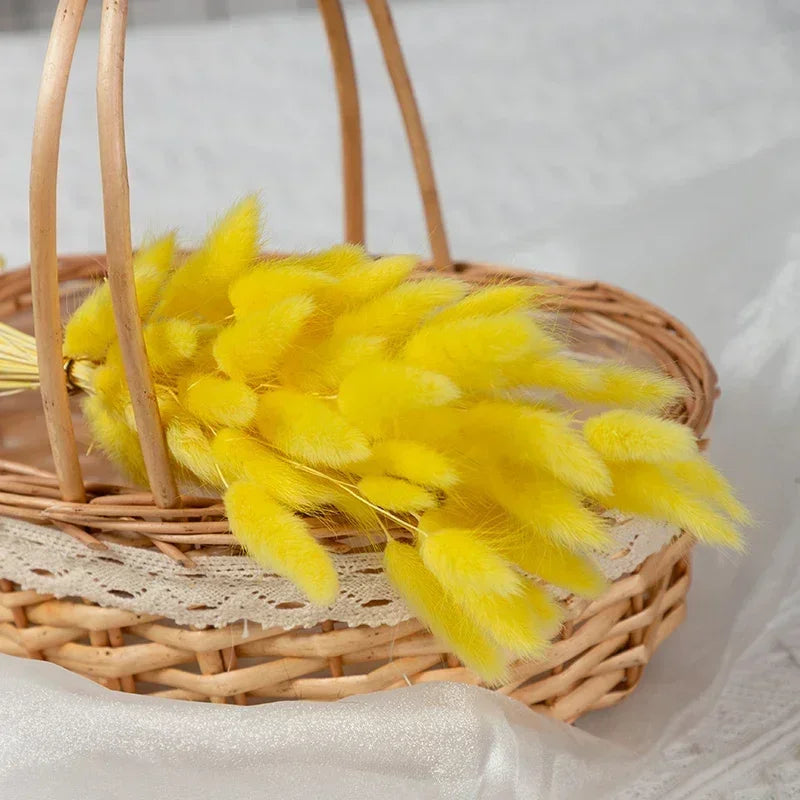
column 220, row 590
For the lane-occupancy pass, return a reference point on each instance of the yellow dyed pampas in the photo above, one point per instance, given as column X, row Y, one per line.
column 335, row 384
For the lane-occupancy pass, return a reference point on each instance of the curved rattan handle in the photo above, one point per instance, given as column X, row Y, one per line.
column 350, row 124
column 117, row 215
column 415, row 131
column 349, row 119
column 44, row 257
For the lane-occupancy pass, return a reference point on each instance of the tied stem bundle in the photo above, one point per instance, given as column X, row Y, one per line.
column 432, row 415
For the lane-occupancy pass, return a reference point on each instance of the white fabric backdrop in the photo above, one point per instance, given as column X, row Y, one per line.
column 652, row 145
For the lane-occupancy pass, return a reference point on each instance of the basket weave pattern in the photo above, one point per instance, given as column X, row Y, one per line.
column 601, row 650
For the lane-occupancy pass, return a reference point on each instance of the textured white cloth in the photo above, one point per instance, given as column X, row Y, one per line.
column 654, row 145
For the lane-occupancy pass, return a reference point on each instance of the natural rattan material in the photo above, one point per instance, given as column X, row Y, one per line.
column 596, row 662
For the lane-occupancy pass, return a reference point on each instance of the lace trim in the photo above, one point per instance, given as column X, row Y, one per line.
column 221, row 590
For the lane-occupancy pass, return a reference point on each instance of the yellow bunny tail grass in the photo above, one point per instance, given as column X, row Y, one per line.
column 649, row 490
column 234, row 242
column 167, row 406
column 199, row 287
column 631, row 387
column 555, row 373
column 239, row 456
column 170, row 344
column 469, row 350
column 368, row 280
column 219, row 401
column 352, row 506
column 157, row 256
column 108, row 380
column 509, row 619
column 622, row 435
column 337, row 260
column 457, row 557
column 190, row 448
column 549, row 508
column 454, row 512
column 251, row 349
column 541, row 438
column 701, row 477
column 316, row 364
column 270, row 283
column 91, row 330
column 490, row 301
column 375, row 394
column 547, row 613
column 557, row 565
column 427, row 600
column 395, row 494
column 111, row 433
column 309, row 429
column 442, row 427
column 414, row 461
column 280, row 541
column 151, row 265
column 395, row 314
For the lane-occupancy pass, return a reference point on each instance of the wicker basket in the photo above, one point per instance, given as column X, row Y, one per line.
column 599, row 656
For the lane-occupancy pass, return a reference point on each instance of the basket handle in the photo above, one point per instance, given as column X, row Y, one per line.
column 349, row 119
column 44, row 257
column 117, row 218
column 350, row 124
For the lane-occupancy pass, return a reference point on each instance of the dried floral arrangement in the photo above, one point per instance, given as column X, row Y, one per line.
column 438, row 419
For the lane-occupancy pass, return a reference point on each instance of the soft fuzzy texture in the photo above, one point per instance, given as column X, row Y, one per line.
column 557, row 565
column 548, row 508
column 170, row 344
column 430, row 603
column 198, row 287
column 239, row 456
column 397, row 313
column 541, row 438
column 395, row 494
column 251, row 349
column 335, row 384
column 191, row 448
column 280, row 540
column 621, row 435
column 309, row 429
column 219, row 401
column 90, row 330
column 414, row 461
column 367, row 280
column 458, row 557
column 509, row 620
column 319, row 363
column 272, row 282
column 112, row 433
column 468, row 349
column 651, row 491
column 376, row 394
column 492, row 300
column 705, row 481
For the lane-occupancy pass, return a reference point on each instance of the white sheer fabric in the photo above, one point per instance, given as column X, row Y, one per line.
column 654, row 145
